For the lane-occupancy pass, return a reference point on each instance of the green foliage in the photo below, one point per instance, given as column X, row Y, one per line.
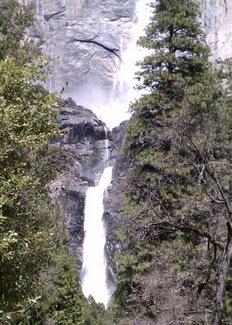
column 61, row 299
column 38, row 277
column 14, row 19
column 27, row 123
column 69, row 296
column 178, row 52
column 95, row 314
column 177, row 75
column 179, row 143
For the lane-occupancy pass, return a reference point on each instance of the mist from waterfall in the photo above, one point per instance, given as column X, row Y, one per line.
column 124, row 91
column 114, row 111
column 113, row 108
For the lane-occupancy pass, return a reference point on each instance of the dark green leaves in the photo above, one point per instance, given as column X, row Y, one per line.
column 178, row 187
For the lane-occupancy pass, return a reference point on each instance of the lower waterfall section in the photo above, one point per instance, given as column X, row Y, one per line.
column 112, row 111
column 94, row 277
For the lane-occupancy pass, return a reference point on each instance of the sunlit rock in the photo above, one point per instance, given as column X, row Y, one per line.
column 217, row 17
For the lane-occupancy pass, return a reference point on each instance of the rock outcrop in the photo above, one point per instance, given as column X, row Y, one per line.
column 84, row 39
column 114, row 196
column 84, row 140
column 217, row 18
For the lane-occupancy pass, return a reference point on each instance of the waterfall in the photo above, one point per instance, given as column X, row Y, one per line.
column 107, row 154
column 94, row 261
column 116, row 109
column 94, row 277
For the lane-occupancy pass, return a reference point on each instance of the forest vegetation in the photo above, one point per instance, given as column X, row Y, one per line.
column 176, row 228
column 175, row 266
column 38, row 279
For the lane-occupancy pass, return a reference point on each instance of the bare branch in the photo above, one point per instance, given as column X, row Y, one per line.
column 166, row 227
column 214, row 177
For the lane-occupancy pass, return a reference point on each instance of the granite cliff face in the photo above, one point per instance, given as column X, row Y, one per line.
column 84, row 140
column 217, row 17
column 114, row 196
column 85, row 39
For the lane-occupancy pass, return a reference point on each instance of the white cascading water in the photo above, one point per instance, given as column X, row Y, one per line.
column 94, row 261
column 94, row 276
column 125, row 80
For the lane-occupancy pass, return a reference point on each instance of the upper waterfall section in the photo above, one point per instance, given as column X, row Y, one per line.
column 107, row 22
column 84, row 38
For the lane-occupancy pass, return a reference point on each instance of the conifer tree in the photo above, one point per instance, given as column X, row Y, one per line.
column 173, row 143
column 178, row 57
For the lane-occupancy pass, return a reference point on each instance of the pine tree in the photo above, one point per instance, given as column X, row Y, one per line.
column 173, row 143
column 178, row 57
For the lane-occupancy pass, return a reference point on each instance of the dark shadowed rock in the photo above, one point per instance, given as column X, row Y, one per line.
column 84, row 139
column 114, row 196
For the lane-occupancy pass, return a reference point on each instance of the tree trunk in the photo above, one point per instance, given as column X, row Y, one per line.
column 222, row 278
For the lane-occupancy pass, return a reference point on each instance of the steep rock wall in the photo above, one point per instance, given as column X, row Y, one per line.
column 217, row 17
column 84, row 140
column 84, row 39
column 114, row 196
